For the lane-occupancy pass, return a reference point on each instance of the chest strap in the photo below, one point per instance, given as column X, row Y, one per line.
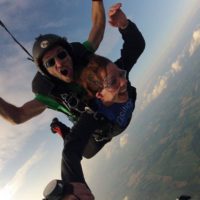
column 53, row 104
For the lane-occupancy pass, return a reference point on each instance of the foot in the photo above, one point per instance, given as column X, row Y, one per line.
column 59, row 128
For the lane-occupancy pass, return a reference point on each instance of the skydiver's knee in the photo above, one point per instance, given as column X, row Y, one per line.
column 88, row 156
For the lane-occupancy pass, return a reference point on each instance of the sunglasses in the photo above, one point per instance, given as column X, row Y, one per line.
column 51, row 61
column 113, row 82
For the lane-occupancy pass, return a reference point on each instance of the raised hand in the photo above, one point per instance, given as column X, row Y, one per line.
column 117, row 18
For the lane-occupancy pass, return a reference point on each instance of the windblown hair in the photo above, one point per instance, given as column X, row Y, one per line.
column 91, row 77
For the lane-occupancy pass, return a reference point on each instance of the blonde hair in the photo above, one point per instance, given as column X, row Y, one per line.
column 91, row 77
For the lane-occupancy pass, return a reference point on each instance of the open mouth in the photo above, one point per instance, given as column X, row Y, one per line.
column 64, row 72
column 123, row 92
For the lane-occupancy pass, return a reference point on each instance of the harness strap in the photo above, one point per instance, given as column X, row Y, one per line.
column 53, row 104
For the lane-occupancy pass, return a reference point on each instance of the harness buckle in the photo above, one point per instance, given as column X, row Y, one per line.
column 99, row 136
column 73, row 102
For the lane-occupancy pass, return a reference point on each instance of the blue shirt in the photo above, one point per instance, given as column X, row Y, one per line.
column 119, row 113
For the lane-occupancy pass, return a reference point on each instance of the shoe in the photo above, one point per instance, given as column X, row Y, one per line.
column 59, row 128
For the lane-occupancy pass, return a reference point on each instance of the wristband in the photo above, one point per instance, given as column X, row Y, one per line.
column 96, row 0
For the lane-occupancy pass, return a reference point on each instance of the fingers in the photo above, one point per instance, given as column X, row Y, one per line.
column 113, row 9
column 116, row 6
column 112, row 23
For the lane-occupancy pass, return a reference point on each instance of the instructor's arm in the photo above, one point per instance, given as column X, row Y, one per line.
column 18, row 115
column 98, row 24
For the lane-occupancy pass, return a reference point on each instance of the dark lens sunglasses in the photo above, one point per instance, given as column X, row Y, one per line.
column 51, row 61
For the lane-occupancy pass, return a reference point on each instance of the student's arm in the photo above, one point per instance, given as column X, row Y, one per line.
column 18, row 115
column 98, row 24
column 134, row 42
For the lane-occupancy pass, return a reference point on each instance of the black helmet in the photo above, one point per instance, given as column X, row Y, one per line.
column 43, row 44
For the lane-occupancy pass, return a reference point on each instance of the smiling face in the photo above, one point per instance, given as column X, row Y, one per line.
column 105, row 80
column 114, row 85
column 59, row 64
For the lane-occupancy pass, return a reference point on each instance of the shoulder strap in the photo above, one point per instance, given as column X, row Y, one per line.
column 53, row 104
column 41, row 84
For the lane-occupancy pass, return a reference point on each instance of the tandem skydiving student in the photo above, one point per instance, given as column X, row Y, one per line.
column 108, row 87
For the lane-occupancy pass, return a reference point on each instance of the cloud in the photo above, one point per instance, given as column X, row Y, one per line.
column 14, row 137
column 9, row 190
column 176, row 67
column 161, row 84
column 15, row 81
column 9, row 9
column 157, row 91
column 195, row 42
column 14, row 7
column 12, row 140
column 126, row 198
column 123, row 140
column 113, row 146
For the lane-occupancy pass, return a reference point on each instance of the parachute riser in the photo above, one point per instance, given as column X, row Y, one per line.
column 30, row 56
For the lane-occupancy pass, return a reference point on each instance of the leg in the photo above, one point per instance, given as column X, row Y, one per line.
column 93, row 147
column 74, row 146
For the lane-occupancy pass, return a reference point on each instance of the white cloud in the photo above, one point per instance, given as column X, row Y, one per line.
column 123, row 140
column 195, row 42
column 12, row 140
column 157, row 91
column 15, row 81
column 15, row 88
column 9, row 190
column 176, row 66
column 113, row 147
column 9, row 8
column 14, row 137
column 16, row 75
column 126, row 198
column 162, row 83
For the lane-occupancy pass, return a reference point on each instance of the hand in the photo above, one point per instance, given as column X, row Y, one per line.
column 117, row 18
column 81, row 190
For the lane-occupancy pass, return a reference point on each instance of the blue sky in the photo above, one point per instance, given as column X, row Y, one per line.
column 29, row 153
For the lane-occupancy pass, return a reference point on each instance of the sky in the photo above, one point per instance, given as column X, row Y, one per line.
column 29, row 154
